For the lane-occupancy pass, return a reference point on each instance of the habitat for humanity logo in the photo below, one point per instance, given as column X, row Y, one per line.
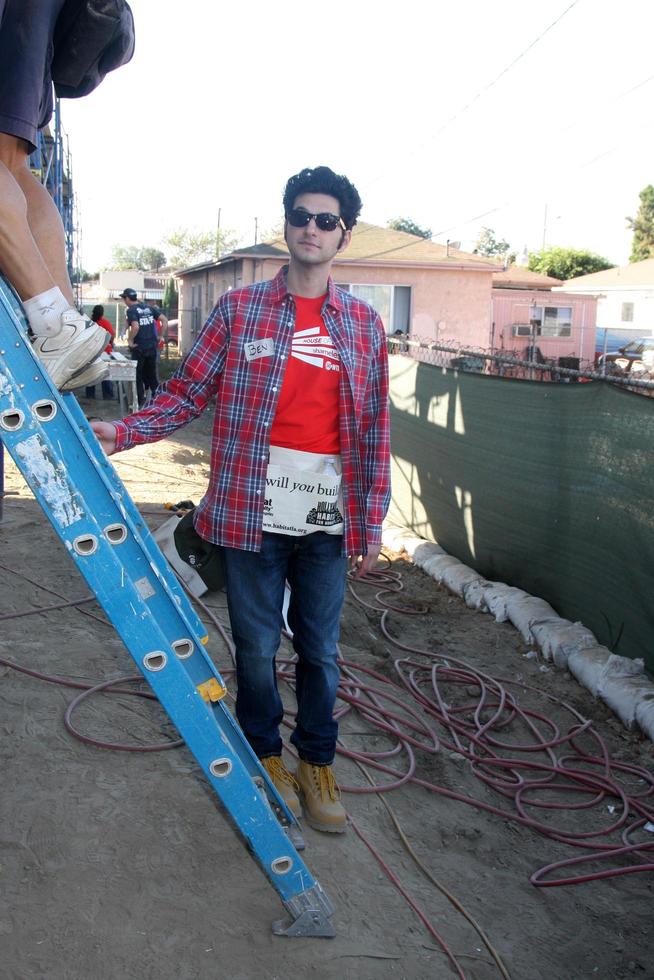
column 315, row 348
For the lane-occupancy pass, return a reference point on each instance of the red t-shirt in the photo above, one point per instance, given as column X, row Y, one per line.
column 307, row 410
column 106, row 325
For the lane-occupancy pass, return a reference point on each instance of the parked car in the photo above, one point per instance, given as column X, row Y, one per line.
column 172, row 333
column 635, row 357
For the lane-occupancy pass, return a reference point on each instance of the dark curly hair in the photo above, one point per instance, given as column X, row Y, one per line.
column 322, row 180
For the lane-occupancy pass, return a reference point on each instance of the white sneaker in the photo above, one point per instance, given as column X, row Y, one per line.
column 90, row 375
column 79, row 341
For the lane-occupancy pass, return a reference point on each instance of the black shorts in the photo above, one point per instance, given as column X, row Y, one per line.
column 26, row 31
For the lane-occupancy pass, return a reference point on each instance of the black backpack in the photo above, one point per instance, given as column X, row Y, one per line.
column 91, row 38
column 203, row 556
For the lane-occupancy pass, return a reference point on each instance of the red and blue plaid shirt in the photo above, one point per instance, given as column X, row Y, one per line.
column 247, row 391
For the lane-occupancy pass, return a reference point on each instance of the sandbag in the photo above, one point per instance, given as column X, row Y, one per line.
column 624, row 695
column 473, row 594
column 437, row 565
column 525, row 611
column 496, row 597
column 645, row 714
column 558, row 638
column 457, row 578
column 422, row 552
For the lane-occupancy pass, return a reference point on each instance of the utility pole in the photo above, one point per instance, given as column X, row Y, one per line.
column 256, row 231
column 218, row 235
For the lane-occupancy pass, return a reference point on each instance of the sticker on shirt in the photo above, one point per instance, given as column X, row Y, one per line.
column 315, row 346
column 259, row 348
column 299, row 502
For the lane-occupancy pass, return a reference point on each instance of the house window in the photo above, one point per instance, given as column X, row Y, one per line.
column 627, row 312
column 393, row 303
column 546, row 321
column 557, row 321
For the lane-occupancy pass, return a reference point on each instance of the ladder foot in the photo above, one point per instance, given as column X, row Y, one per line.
column 311, row 913
column 311, row 924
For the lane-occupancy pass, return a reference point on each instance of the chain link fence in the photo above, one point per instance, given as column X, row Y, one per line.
column 512, row 364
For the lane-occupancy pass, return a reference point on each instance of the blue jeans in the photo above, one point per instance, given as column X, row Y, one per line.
column 255, row 583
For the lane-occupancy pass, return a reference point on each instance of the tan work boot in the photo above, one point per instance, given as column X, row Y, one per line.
column 321, row 797
column 283, row 782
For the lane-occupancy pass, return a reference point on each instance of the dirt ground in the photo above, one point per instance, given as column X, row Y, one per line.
column 120, row 865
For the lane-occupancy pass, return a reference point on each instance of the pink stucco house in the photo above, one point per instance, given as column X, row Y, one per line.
column 527, row 313
column 433, row 292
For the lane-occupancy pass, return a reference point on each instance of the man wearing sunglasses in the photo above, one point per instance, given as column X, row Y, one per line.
column 299, row 483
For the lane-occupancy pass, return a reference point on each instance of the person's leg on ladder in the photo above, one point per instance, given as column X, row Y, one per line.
column 32, row 241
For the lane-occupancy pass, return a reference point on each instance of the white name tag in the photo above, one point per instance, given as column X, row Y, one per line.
column 259, row 348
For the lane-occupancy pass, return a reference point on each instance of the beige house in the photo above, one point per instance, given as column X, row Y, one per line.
column 625, row 301
column 430, row 291
column 148, row 285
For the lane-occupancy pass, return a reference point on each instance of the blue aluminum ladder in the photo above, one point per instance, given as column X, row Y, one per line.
column 78, row 489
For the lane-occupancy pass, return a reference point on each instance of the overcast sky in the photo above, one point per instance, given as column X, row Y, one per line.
column 533, row 119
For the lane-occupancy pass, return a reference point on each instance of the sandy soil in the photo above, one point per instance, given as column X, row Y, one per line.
column 117, row 865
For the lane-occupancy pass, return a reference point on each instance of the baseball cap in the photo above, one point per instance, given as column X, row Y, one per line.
column 128, row 294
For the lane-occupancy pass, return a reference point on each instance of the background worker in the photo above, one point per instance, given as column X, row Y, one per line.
column 299, row 473
column 144, row 323
column 97, row 315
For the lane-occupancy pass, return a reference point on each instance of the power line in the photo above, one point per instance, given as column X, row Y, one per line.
column 504, row 71
column 484, row 90
column 580, row 166
column 477, row 217
column 607, row 151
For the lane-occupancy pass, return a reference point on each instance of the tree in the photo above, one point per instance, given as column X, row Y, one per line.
column 192, row 247
column 567, row 263
column 274, row 233
column 642, row 244
column 81, row 275
column 487, row 243
column 136, row 257
column 125, row 257
column 406, row 224
column 152, row 258
column 170, row 297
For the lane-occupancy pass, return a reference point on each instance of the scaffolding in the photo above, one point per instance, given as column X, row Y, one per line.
column 51, row 164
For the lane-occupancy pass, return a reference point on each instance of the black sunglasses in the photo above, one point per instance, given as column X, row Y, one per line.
column 326, row 221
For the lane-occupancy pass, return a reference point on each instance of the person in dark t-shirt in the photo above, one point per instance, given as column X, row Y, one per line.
column 143, row 340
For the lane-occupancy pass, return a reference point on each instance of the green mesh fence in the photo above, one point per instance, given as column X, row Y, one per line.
column 548, row 487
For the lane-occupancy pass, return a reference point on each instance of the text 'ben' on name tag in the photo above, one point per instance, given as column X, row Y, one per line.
column 259, row 348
